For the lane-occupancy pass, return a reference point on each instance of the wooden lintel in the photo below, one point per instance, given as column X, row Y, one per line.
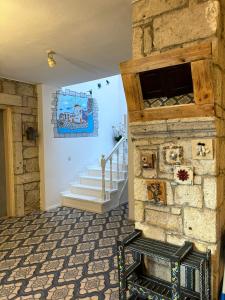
column 168, row 58
column 202, row 82
column 172, row 112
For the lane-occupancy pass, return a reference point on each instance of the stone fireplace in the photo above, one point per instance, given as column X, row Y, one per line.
column 179, row 141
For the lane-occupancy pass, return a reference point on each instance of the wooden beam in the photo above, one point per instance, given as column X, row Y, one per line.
column 172, row 112
column 132, row 90
column 168, row 58
column 202, row 82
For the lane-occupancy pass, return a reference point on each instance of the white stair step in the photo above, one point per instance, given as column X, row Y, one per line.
column 87, row 203
column 97, row 181
column 79, row 196
column 97, row 171
column 95, row 191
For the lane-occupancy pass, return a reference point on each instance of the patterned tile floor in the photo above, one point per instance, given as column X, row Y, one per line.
column 61, row 254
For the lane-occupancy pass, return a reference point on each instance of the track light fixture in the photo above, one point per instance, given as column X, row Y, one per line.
column 51, row 60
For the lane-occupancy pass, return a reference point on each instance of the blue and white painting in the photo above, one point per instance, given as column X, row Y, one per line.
column 75, row 114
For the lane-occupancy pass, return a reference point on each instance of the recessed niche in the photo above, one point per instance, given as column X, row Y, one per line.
column 167, row 86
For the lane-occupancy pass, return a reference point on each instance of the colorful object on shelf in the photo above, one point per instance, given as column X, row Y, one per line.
column 183, row 175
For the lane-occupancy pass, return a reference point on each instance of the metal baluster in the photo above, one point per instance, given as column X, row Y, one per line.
column 118, row 167
column 103, row 162
column 124, row 153
column 111, row 174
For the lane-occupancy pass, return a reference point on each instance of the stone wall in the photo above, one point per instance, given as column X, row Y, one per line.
column 193, row 212
column 25, row 152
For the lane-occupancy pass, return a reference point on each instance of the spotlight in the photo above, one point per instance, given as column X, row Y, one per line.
column 51, row 60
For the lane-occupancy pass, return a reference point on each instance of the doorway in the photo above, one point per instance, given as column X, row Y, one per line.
column 3, row 194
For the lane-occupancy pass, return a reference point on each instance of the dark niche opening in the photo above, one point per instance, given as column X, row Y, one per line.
column 167, row 86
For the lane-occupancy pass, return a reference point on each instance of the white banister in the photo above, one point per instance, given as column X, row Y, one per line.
column 111, row 174
column 116, row 150
column 103, row 163
column 117, row 164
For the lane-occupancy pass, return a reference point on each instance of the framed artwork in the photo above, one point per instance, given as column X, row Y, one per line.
column 74, row 115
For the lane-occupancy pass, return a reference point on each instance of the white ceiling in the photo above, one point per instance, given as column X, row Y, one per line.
column 94, row 36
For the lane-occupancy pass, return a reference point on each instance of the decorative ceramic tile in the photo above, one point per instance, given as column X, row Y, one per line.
column 70, row 241
column 92, row 284
column 102, row 253
column 22, row 273
column 112, row 294
column 9, row 291
column 173, row 154
column 71, row 274
column 61, row 292
column 47, row 259
column 90, row 236
column 183, row 175
column 156, row 191
column 107, row 242
column 110, row 232
column 147, row 160
column 78, row 259
column 202, row 149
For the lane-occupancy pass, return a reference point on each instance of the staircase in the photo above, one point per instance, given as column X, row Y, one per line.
column 102, row 187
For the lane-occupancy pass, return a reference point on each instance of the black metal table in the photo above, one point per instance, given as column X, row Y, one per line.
column 152, row 288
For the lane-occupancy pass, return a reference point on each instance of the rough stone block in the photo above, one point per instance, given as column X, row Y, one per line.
column 210, row 192
column 32, row 102
column 137, row 43
column 32, row 199
column 140, row 189
column 197, row 180
column 30, row 152
column 144, row 9
column 200, row 224
column 31, row 165
column 17, row 128
column 189, row 195
column 22, row 110
column 19, row 200
column 151, row 232
column 18, row 158
column 202, row 22
column 28, row 118
column 164, row 220
column 9, row 87
column 175, row 239
column 27, row 178
column 176, row 210
column 204, row 167
column 139, row 211
column 31, row 186
column 24, row 89
column 147, row 40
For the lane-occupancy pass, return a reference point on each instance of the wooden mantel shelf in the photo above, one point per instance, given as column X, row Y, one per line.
column 200, row 59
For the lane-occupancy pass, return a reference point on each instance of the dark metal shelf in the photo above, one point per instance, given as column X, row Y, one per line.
column 149, row 287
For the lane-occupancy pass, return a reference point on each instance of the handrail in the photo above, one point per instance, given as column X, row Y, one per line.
column 115, row 148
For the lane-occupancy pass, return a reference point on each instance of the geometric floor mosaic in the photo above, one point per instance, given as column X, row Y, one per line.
column 61, row 254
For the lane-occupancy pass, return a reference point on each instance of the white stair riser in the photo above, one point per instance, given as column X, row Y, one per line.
column 98, row 173
column 97, row 182
column 89, row 192
column 92, row 206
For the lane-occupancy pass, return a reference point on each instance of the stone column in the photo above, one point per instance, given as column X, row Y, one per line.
column 195, row 212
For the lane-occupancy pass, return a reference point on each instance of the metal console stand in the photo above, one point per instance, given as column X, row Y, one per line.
column 145, row 287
